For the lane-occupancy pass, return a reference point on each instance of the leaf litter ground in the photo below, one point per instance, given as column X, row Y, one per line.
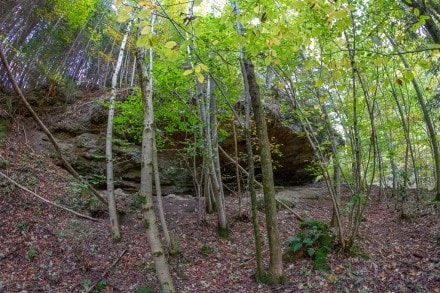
column 45, row 249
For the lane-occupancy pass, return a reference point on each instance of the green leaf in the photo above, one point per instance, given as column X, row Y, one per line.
column 145, row 30
column 197, row 68
column 203, row 67
column 416, row 12
column 308, row 64
column 267, row 60
column 408, row 75
column 336, row 74
column 124, row 13
column 418, row 24
column 143, row 14
column 101, row 285
column 310, row 251
column 319, row 82
column 297, row 247
column 200, row 77
column 87, row 283
column 340, row 13
column 424, row 64
column 188, row 72
column 144, row 41
column 308, row 241
column 379, row 61
column 171, row 45
column 373, row 88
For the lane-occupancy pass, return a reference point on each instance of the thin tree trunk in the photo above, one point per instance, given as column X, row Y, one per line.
column 276, row 261
column 207, row 110
column 223, row 223
column 163, row 222
column 155, row 160
column 146, row 190
column 252, row 92
column 428, row 121
column 237, row 171
column 114, row 222
column 407, row 137
column 309, row 130
column 251, row 173
column 133, row 72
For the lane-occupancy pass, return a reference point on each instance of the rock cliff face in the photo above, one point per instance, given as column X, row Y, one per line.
column 80, row 131
column 291, row 154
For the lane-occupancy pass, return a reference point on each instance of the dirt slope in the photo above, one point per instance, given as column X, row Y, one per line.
column 45, row 249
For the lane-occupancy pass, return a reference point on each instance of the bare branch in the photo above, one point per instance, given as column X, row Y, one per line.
column 46, row 200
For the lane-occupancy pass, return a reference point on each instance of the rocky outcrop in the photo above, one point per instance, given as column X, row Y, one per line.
column 291, row 154
column 80, row 131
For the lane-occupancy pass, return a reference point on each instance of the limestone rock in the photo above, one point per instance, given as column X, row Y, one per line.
column 80, row 130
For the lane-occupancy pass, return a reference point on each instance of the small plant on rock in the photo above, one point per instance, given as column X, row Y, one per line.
column 313, row 240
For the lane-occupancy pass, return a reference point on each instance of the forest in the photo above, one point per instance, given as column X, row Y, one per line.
column 219, row 146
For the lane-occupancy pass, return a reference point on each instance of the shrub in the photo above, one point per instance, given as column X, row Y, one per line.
column 313, row 240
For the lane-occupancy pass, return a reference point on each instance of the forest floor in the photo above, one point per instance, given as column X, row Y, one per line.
column 46, row 249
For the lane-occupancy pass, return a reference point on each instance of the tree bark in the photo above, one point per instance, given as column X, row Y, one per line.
column 276, row 261
column 430, row 25
column 429, row 124
column 146, row 189
column 211, row 165
column 251, row 173
column 114, row 222
column 163, row 222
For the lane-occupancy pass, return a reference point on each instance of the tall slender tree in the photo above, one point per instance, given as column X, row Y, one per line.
column 275, row 271
column 147, row 168
column 114, row 222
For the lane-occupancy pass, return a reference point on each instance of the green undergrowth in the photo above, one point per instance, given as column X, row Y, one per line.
column 314, row 240
column 269, row 279
column 223, row 233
